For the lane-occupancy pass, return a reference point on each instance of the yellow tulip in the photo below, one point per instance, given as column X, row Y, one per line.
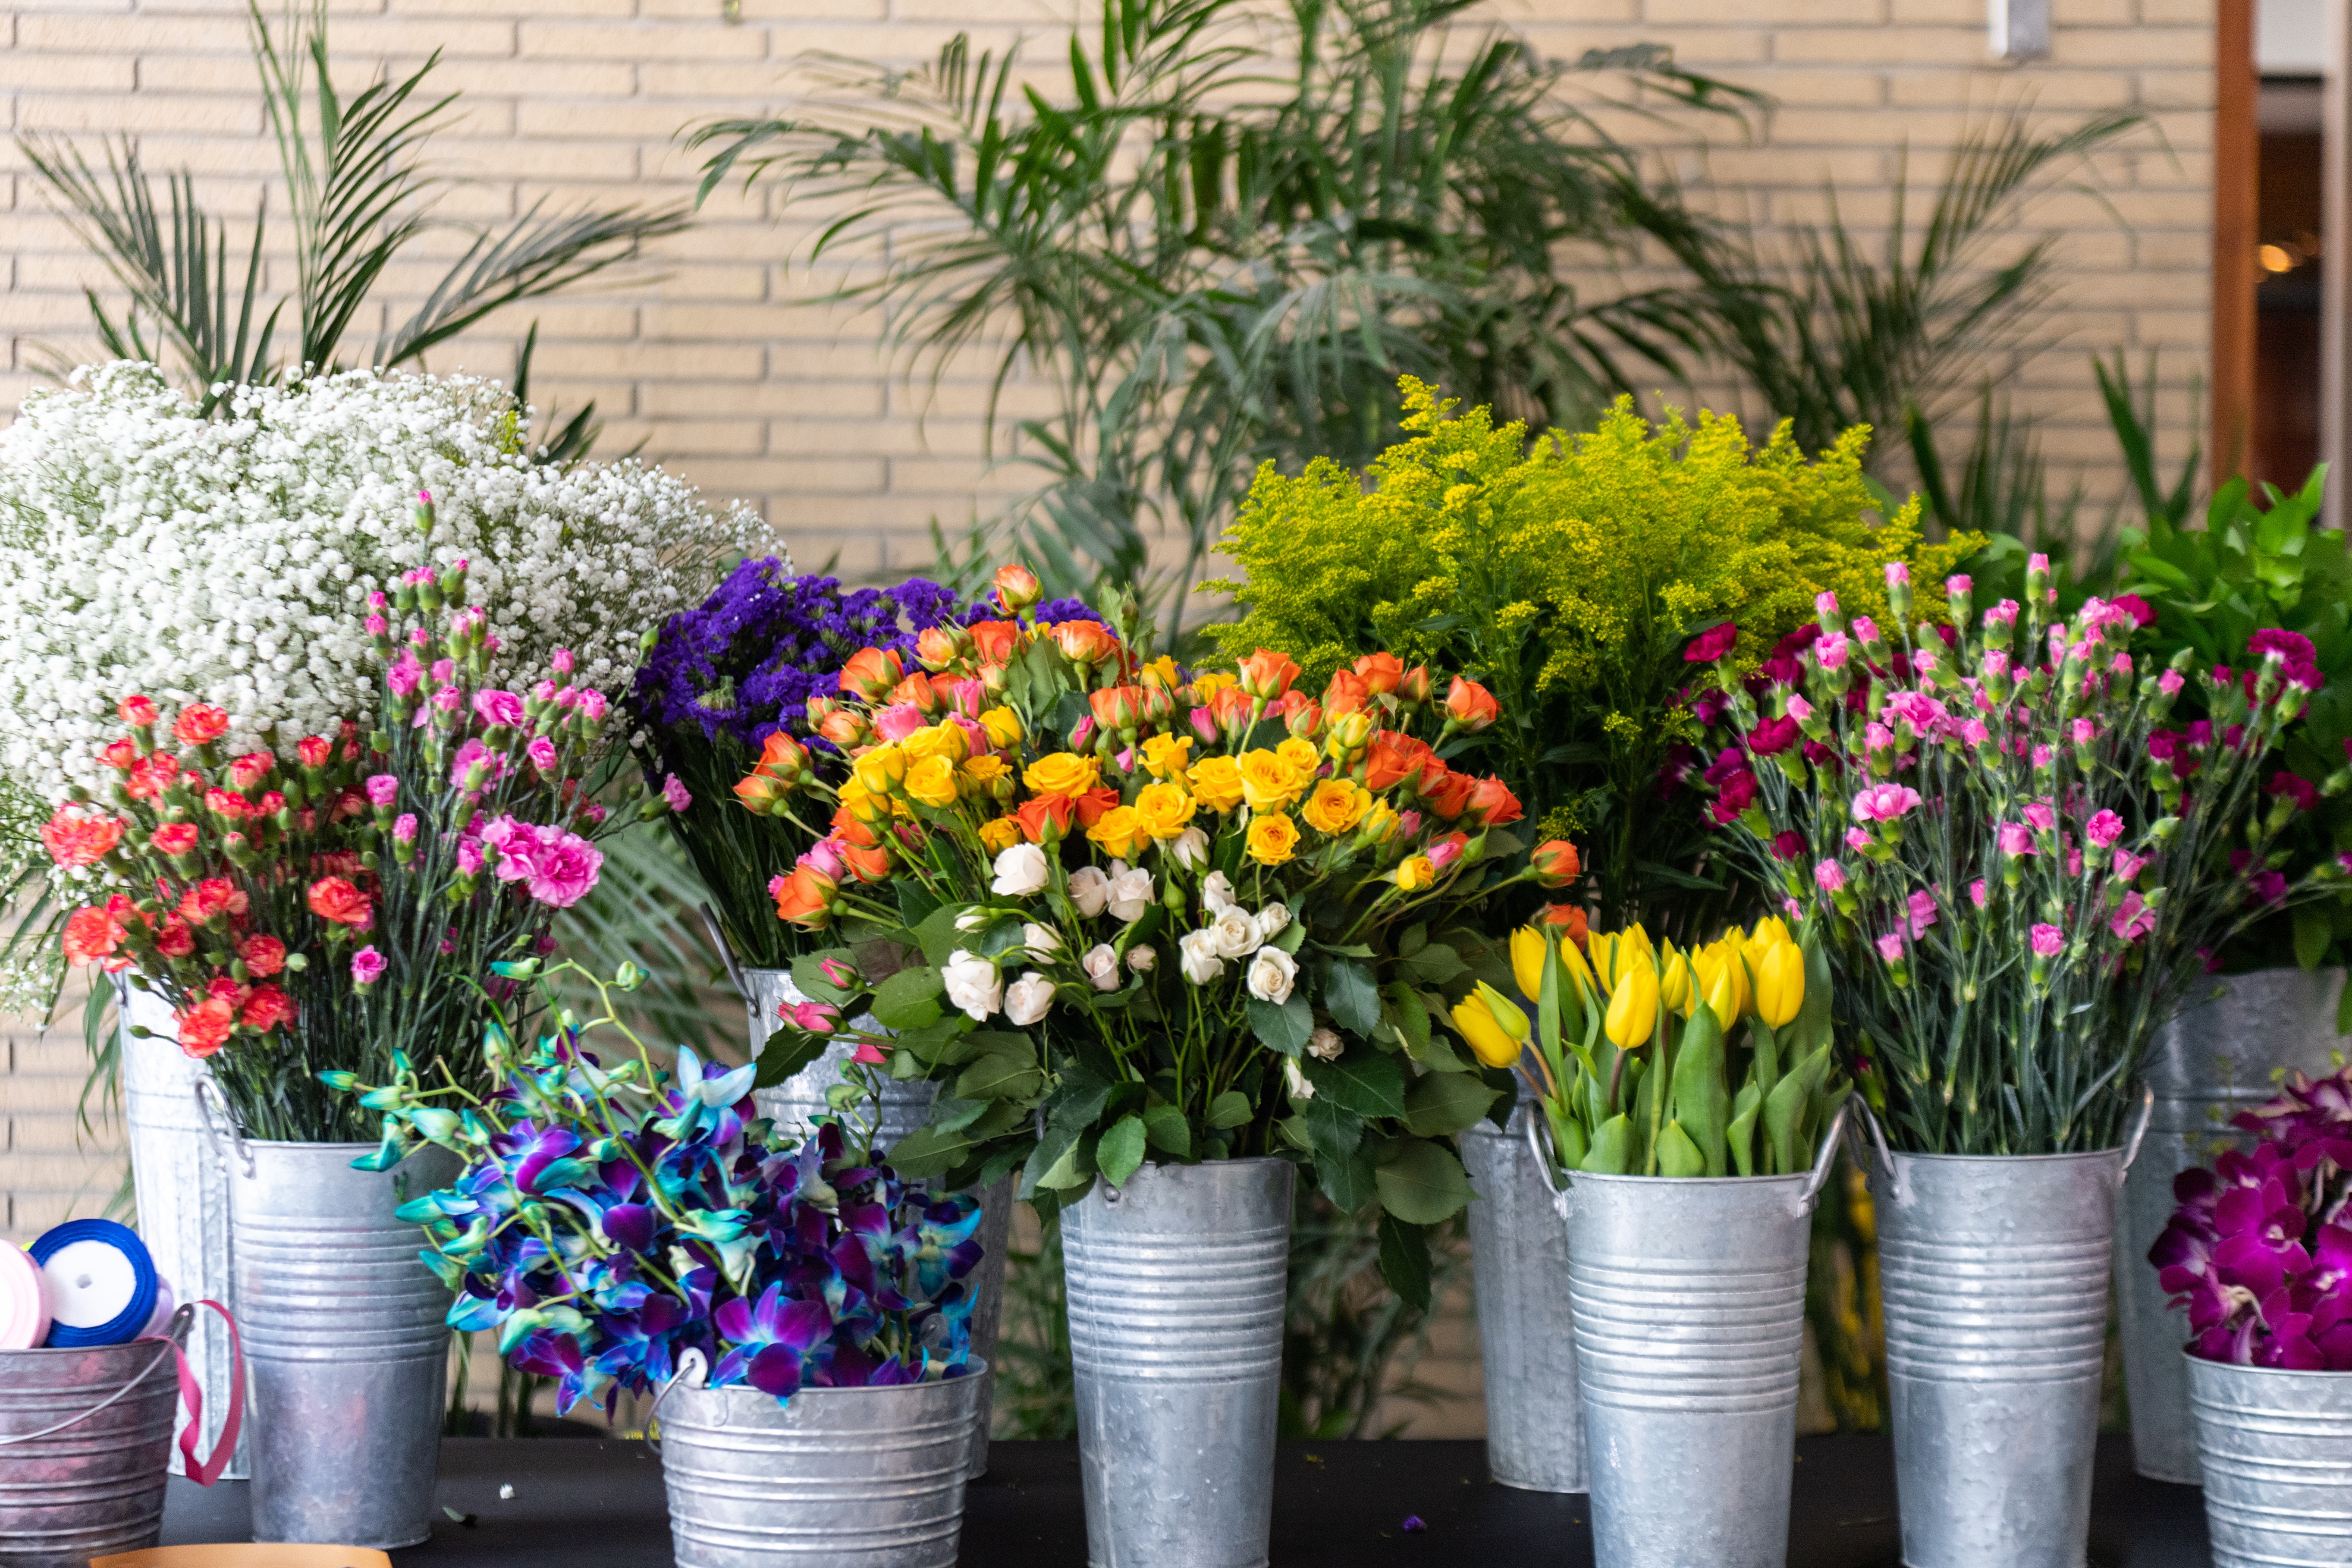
column 1528, row 946
column 1723, row 960
column 1780, row 984
column 1633, row 946
column 1675, row 988
column 1578, row 969
column 1507, row 1012
column 1633, row 1008
column 1770, row 932
column 1489, row 1040
column 1723, row 996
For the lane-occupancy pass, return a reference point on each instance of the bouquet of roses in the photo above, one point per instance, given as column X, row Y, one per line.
column 2018, row 868
column 323, row 916
column 1159, row 915
column 612, row 1217
column 2260, row 1251
column 1624, row 1093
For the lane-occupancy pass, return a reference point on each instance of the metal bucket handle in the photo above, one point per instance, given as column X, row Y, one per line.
column 726, row 953
column 691, row 1364
column 173, row 1335
column 1824, row 1160
column 172, row 1342
column 2139, row 1129
column 1897, row 1188
column 1539, row 1146
column 205, row 1091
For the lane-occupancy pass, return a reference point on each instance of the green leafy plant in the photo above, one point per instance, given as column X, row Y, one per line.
column 1226, row 241
column 360, row 196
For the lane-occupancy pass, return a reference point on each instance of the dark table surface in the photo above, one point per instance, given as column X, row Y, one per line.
column 589, row 1504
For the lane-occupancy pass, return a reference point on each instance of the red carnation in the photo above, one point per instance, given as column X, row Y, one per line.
column 263, row 955
column 200, row 722
column 1712, row 643
column 205, row 1028
column 174, row 838
column 334, row 899
column 315, row 751
column 136, row 711
column 267, row 1009
column 250, row 769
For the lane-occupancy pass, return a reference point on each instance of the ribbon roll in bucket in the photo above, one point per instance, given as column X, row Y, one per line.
column 23, row 1299
column 101, row 1284
column 85, row 1439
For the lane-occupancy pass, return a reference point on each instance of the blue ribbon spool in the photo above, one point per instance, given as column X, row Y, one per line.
column 101, row 1283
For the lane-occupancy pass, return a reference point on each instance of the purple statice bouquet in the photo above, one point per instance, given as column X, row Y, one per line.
column 718, row 680
column 2019, row 858
column 2260, row 1251
column 612, row 1217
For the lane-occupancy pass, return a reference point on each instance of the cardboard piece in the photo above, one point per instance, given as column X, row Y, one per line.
column 252, row 1554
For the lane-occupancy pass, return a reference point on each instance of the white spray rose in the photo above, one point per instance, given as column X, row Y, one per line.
column 1131, row 895
column 1270, row 921
column 1197, row 951
column 1041, row 942
column 1217, row 893
column 971, row 919
column 1020, row 871
column 1142, row 958
column 973, row 984
column 1295, row 1082
column 1090, row 889
column 1234, row 932
column 1028, row 999
column 1325, row 1045
column 1101, row 964
column 1188, row 848
column 1272, row 974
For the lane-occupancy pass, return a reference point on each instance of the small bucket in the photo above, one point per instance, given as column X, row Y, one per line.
column 86, row 1441
column 844, row 1478
column 2277, row 1453
column 1527, row 1331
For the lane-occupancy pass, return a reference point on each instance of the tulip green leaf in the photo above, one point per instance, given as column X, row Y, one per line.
column 1611, row 1154
column 1677, row 1155
column 1702, row 1103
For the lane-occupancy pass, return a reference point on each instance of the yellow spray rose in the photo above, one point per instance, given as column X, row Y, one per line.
column 1413, row 873
column 1336, row 806
column 1489, row 1041
column 1268, row 783
column 1302, row 756
column 946, row 740
column 1633, row 1005
column 985, row 769
column 1121, row 832
column 1272, row 838
column 1003, row 727
column 1160, row 672
column 863, row 803
column 1217, row 783
column 879, row 770
column 1064, row 772
column 1165, row 809
column 1167, row 757
column 1780, row 984
column 1207, row 686
column 932, row 781
column 1380, row 822
column 1000, row 834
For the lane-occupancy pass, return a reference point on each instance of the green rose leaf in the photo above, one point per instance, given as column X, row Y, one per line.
column 1439, row 1103
column 909, row 999
column 1333, row 1133
column 1404, row 1261
column 1282, row 1028
column 1421, row 1182
column 1231, row 1109
column 1003, row 1073
column 1353, row 999
column 1121, row 1150
column 1363, row 1080
column 1165, row 1129
column 808, row 974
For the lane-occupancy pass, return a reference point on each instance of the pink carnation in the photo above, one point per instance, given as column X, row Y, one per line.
column 1884, row 803
column 496, row 707
column 1830, row 877
column 2048, row 941
column 541, row 753
column 2015, row 840
column 1865, row 630
column 1974, row 732
column 1922, row 906
column 592, row 704
column 1857, row 838
column 382, row 789
column 2170, row 683
column 561, row 660
column 403, row 831
column 2104, row 829
column 1979, row 892
column 2128, row 865
column 676, row 793
column 2041, row 816
column 1799, row 709
column 2134, row 919
column 1825, row 603
column 1897, row 574
column 2083, row 731
column 1890, row 946
column 1830, row 651
column 368, row 966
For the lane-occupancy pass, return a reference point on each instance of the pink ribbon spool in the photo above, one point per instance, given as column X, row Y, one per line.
column 23, row 1299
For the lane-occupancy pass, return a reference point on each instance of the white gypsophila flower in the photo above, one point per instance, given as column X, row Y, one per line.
column 1028, row 999
column 1271, row 920
column 1089, row 890
column 1101, row 964
column 1272, row 974
column 1325, row 1045
column 973, row 984
column 1216, row 892
column 145, row 548
column 1131, row 895
column 1020, row 871
column 1236, row 932
column 1196, row 954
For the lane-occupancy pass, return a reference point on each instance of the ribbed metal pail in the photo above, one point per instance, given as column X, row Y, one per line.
column 845, row 1478
column 2216, row 1056
column 346, row 1341
column 905, row 1107
column 1689, row 1296
column 1175, row 1285
column 1993, row 1273
column 1518, row 1257
column 2277, row 1452
column 91, row 1487
column 182, row 1195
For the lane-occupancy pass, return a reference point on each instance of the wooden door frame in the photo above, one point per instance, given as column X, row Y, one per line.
column 2237, row 164
column 2335, row 268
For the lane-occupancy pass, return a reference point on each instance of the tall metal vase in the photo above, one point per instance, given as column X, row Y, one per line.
column 2216, row 1057
column 181, row 1190
column 1175, row 1290
column 1993, row 1273
column 346, row 1341
column 904, row 1109
column 2277, row 1452
column 1527, row 1338
column 1689, row 1297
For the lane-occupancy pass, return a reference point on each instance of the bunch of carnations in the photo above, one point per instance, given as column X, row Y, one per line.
column 1161, row 915
column 1625, row 1093
column 2019, row 871
column 2260, row 1251
column 612, row 1217
column 322, row 917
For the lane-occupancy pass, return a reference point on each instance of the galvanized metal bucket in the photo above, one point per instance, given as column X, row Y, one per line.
column 1175, row 1292
column 182, row 1195
column 905, row 1107
column 346, row 1340
column 1993, row 1273
column 83, row 1436
column 2215, row 1057
column 1518, row 1259
column 846, row 1477
column 2277, row 1452
column 1689, row 1298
